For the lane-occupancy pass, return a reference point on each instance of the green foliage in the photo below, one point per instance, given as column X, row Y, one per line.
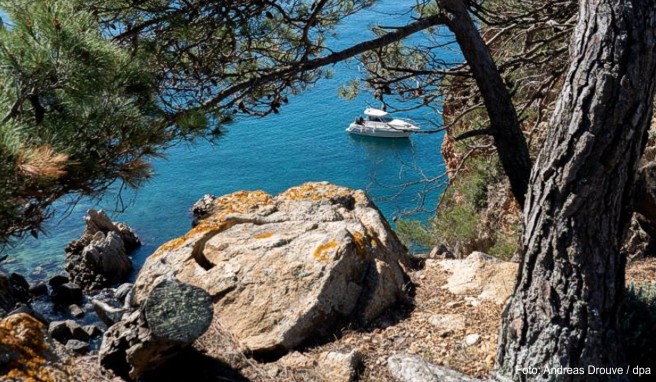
column 212, row 55
column 414, row 234
column 457, row 219
column 505, row 243
column 463, row 201
column 350, row 90
column 457, row 223
column 91, row 90
column 77, row 112
column 638, row 322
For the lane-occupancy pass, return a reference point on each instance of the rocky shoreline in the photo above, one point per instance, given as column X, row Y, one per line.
column 67, row 304
column 308, row 285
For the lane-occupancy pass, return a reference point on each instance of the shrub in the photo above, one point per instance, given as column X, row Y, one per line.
column 458, row 219
column 505, row 244
column 415, row 235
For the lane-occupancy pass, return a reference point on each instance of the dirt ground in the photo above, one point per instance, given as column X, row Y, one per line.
column 641, row 272
column 411, row 329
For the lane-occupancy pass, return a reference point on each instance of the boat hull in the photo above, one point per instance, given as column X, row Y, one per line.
column 377, row 132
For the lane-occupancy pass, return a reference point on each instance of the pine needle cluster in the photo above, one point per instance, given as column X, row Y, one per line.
column 77, row 112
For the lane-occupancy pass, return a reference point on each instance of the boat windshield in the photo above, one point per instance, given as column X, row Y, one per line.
column 385, row 119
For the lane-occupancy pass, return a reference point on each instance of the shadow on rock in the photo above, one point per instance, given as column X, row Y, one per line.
column 198, row 367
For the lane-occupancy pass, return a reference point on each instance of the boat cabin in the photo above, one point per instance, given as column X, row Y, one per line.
column 377, row 115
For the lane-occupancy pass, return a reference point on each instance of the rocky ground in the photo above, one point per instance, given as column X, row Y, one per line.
column 309, row 285
column 640, row 272
column 448, row 324
column 453, row 321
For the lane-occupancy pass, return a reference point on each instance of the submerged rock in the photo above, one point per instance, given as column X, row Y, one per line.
column 75, row 310
column 58, row 280
column 39, row 289
column 67, row 294
column 20, row 285
column 100, row 257
column 282, row 270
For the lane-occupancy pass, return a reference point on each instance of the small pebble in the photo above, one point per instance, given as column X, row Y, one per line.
column 472, row 339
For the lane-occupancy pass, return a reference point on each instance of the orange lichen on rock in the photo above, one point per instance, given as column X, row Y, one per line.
column 264, row 235
column 242, row 202
column 374, row 240
column 171, row 244
column 322, row 251
column 26, row 354
column 360, row 244
column 239, row 202
column 314, row 191
column 199, row 229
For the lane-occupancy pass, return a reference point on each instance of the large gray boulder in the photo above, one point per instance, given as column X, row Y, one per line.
column 285, row 269
column 100, row 257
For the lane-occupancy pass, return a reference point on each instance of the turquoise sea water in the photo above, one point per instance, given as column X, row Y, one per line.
column 305, row 142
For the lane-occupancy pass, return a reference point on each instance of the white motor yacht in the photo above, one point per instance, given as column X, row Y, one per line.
column 379, row 124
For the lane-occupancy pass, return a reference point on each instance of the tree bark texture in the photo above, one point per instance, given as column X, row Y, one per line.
column 564, row 311
column 504, row 124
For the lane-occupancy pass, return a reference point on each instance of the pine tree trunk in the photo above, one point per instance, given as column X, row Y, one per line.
column 565, row 308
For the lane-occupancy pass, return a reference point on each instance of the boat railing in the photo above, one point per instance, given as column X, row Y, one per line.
column 397, row 128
